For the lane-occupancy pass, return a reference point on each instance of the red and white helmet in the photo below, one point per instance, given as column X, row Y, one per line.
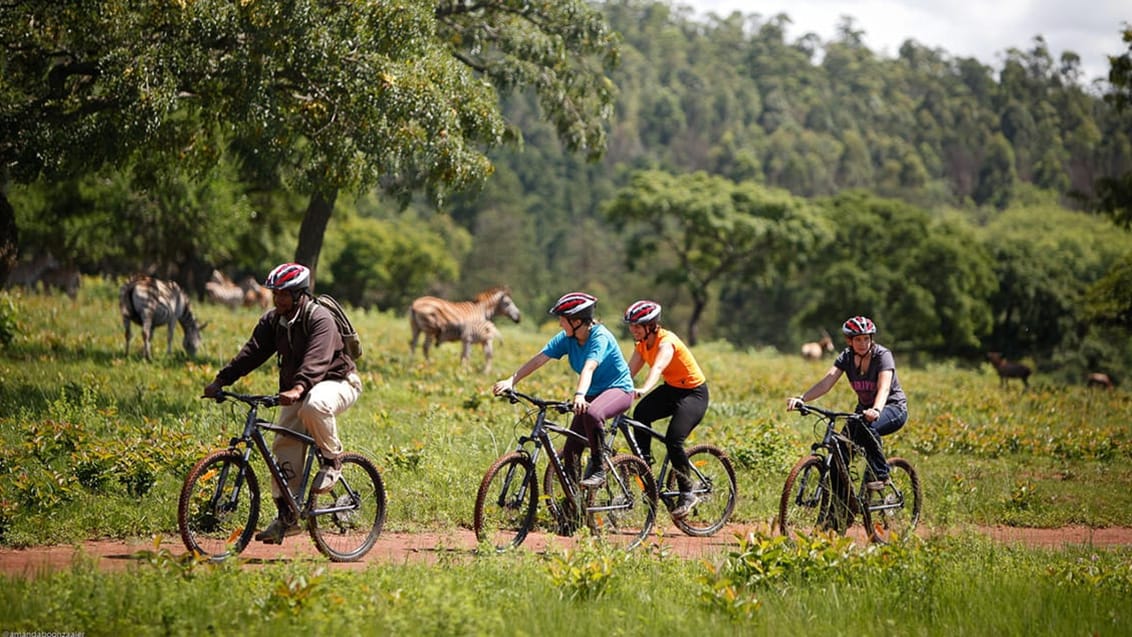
column 289, row 276
column 574, row 305
column 642, row 312
column 858, row 325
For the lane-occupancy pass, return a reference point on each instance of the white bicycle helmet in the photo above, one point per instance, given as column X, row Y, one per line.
column 642, row 312
column 574, row 305
column 289, row 276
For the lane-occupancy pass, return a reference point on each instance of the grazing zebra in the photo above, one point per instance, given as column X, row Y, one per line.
column 26, row 274
column 151, row 302
column 442, row 320
column 220, row 289
column 65, row 278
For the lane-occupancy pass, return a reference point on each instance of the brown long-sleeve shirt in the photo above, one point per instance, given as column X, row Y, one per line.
column 304, row 359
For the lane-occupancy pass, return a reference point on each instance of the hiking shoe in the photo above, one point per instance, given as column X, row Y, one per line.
column 878, row 485
column 328, row 475
column 276, row 531
column 594, row 480
column 688, row 501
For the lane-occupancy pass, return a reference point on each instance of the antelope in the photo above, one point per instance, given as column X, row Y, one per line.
column 1099, row 379
column 1007, row 370
column 814, row 350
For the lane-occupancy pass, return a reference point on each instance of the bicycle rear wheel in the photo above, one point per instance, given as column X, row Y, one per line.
column 346, row 520
column 893, row 513
column 506, row 502
column 808, row 501
column 715, row 487
column 219, row 505
column 623, row 511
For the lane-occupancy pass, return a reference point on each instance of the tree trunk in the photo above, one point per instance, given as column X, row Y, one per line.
column 9, row 233
column 313, row 229
column 698, row 306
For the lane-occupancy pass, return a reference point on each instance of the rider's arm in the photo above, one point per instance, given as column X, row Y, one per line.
column 819, row 389
column 528, row 368
column 656, row 370
column 884, row 386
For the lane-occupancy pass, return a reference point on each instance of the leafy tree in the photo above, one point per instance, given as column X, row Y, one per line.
column 329, row 96
column 925, row 281
column 385, row 263
column 696, row 230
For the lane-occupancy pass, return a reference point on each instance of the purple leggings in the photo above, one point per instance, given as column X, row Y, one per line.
column 604, row 406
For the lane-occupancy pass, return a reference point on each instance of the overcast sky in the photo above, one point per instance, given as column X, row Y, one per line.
column 983, row 29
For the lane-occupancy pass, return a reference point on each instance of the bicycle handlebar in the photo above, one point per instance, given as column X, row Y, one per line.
column 252, row 400
column 557, row 405
column 806, row 410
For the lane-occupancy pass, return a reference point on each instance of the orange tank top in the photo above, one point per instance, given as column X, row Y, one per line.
column 683, row 371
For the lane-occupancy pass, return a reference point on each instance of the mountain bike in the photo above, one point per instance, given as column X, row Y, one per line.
column 621, row 512
column 819, row 495
column 713, row 479
column 220, row 501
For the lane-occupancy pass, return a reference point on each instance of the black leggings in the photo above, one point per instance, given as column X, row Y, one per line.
column 687, row 408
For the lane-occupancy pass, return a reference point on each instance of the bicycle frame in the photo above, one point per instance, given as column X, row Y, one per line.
column 626, row 424
column 836, row 449
column 540, row 438
column 252, row 437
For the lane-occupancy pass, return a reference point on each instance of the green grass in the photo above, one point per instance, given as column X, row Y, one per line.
column 96, row 445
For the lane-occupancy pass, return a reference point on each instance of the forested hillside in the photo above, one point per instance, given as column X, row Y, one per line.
column 762, row 189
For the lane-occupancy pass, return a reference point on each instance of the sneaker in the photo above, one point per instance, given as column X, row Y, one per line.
column 594, row 480
column 276, row 531
column 878, row 485
column 328, row 475
column 688, row 501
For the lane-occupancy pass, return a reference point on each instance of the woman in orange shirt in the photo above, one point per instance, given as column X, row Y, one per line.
column 683, row 395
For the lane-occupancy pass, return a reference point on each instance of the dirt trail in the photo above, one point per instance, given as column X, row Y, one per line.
column 460, row 544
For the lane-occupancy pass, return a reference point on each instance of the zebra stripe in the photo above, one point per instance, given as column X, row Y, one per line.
column 150, row 302
column 443, row 321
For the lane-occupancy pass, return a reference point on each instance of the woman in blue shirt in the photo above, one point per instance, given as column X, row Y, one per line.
column 605, row 387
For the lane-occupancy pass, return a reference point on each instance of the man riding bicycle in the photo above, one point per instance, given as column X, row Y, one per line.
column 317, row 381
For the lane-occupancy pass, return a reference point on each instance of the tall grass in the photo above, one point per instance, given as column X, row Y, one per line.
column 96, row 444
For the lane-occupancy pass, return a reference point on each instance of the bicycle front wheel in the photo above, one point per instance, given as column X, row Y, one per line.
column 506, row 502
column 345, row 521
column 808, row 502
column 219, row 505
column 714, row 486
column 623, row 510
column 893, row 513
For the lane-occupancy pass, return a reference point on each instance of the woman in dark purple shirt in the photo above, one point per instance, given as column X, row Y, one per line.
column 871, row 371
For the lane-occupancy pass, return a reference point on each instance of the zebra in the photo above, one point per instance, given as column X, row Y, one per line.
column 471, row 332
column 151, row 302
column 442, row 320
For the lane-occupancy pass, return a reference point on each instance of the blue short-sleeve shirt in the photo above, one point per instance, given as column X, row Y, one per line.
column 612, row 370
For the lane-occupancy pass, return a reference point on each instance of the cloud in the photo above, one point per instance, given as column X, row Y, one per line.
column 963, row 28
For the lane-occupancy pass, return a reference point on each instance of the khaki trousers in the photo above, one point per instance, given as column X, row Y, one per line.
column 315, row 415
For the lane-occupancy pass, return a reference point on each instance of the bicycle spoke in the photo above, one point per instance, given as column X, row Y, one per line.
column 623, row 511
column 347, row 519
column 713, row 484
column 218, row 506
column 506, row 502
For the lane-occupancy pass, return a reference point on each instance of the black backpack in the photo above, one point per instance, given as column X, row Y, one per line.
column 345, row 327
